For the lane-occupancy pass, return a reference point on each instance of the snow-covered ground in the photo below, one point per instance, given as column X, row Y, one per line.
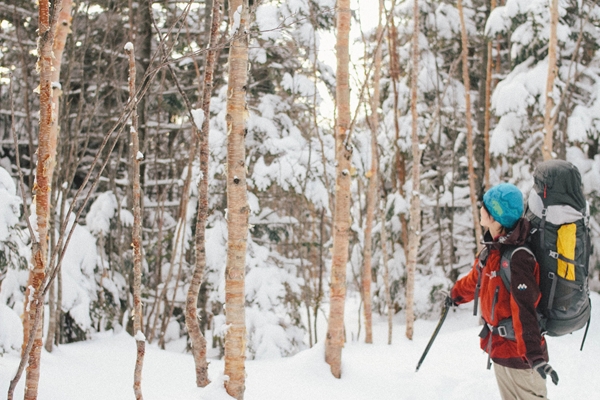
column 454, row 369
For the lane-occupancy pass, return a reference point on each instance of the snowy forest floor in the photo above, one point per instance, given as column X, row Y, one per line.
column 455, row 368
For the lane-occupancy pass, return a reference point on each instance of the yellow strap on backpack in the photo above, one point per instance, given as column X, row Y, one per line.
column 565, row 245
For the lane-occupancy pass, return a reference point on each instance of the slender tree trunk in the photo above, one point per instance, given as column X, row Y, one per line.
column 341, row 219
column 487, row 114
column 34, row 303
column 191, row 310
column 552, row 71
column 58, row 335
column 62, row 30
column 59, row 312
column 143, row 45
column 52, row 307
column 24, row 60
column 414, row 231
column 386, row 273
column 319, row 288
column 372, row 189
column 176, row 251
column 367, row 270
column 237, row 202
column 400, row 159
column 136, row 158
column 314, row 110
column 468, row 116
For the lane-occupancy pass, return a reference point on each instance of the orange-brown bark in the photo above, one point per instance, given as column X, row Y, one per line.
column 42, row 188
column 191, row 310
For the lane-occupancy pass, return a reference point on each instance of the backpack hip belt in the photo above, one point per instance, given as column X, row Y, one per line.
column 504, row 329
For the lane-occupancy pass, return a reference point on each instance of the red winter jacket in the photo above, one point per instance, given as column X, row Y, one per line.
column 520, row 303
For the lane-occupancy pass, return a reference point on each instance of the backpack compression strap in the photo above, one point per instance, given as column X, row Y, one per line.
column 505, row 263
column 557, row 256
column 481, row 260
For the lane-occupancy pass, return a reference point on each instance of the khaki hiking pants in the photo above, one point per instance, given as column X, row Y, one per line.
column 520, row 384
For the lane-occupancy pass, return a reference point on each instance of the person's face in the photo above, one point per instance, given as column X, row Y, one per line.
column 487, row 221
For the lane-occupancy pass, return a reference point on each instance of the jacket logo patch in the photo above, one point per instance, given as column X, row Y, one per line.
column 522, row 286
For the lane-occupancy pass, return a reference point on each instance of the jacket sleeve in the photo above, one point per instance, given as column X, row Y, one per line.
column 464, row 289
column 524, row 300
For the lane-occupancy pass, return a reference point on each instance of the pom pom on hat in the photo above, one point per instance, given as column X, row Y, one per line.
column 504, row 202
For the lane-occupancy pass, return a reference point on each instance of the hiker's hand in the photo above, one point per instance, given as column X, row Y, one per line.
column 544, row 369
column 449, row 302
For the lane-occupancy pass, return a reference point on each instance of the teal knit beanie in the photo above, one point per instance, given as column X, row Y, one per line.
column 504, row 202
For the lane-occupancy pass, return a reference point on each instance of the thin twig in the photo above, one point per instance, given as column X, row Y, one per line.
column 18, row 161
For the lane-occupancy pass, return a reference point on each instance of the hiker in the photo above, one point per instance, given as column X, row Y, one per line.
column 511, row 335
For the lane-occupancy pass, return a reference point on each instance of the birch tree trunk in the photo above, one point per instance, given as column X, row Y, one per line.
column 136, row 235
column 414, row 231
column 487, row 114
column 552, row 70
column 34, row 301
column 191, row 310
column 371, row 203
column 468, row 116
column 372, row 189
column 386, row 274
column 341, row 219
column 400, row 159
column 237, row 202
column 62, row 30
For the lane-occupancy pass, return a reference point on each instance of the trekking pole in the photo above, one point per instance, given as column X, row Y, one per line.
column 435, row 333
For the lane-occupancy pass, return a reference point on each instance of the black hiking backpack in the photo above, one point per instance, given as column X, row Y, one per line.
column 560, row 241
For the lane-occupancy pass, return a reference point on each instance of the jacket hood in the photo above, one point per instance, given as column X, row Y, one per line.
column 516, row 237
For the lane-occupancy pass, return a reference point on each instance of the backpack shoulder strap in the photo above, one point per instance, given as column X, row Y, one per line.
column 505, row 261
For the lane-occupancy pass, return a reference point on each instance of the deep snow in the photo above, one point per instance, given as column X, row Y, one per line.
column 454, row 369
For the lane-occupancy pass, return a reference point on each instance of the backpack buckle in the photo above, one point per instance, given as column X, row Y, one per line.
column 502, row 331
column 553, row 254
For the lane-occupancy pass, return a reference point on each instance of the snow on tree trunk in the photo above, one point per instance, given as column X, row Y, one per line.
column 237, row 202
column 341, row 220
column 372, row 189
column 136, row 235
column 191, row 310
column 552, row 70
column 414, row 231
column 62, row 30
column 468, row 117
